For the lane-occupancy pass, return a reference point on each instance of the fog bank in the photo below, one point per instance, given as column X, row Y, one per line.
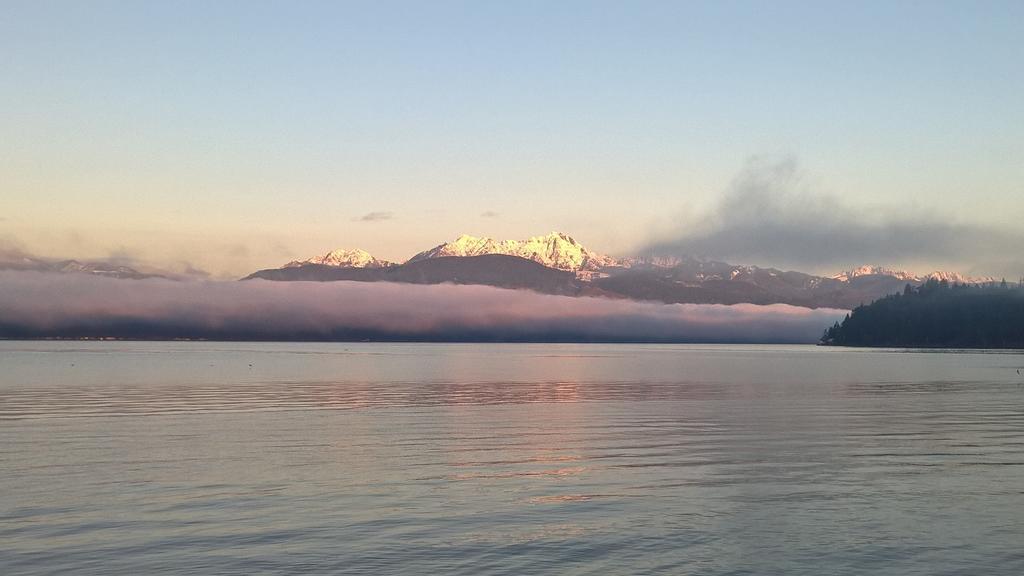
column 41, row 305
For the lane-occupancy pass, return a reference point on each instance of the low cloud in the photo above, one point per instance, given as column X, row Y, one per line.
column 13, row 256
column 41, row 305
column 769, row 216
column 124, row 256
column 375, row 217
column 11, row 248
column 191, row 271
column 489, row 214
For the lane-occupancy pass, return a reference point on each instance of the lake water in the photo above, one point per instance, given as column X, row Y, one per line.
column 412, row 459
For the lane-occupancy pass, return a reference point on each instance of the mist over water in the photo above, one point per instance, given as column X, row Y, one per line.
column 39, row 305
column 129, row 458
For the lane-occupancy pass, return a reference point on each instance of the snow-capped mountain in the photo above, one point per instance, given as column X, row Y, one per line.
column 97, row 268
column 866, row 270
column 556, row 250
column 558, row 264
column 343, row 258
column 957, row 278
column 951, row 277
column 100, row 269
column 655, row 261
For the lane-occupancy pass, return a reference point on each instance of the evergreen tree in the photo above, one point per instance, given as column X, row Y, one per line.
column 937, row 314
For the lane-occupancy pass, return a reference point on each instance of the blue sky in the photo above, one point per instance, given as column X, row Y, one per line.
column 240, row 134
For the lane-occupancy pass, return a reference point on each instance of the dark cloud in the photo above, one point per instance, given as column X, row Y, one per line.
column 769, row 216
column 375, row 217
column 489, row 214
column 34, row 304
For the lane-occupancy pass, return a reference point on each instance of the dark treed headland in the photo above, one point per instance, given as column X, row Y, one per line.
column 937, row 314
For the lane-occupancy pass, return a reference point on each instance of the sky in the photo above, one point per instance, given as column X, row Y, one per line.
column 232, row 136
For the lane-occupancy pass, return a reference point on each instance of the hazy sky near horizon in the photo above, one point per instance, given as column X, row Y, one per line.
column 239, row 135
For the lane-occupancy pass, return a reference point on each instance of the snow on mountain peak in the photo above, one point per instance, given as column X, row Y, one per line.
column 344, row 259
column 957, row 278
column 951, row 277
column 555, row 250
column 874, row 271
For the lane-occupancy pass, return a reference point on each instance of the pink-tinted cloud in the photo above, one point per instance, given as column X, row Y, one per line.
column 52, row 305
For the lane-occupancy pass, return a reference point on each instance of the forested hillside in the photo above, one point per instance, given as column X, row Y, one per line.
column 937, row 314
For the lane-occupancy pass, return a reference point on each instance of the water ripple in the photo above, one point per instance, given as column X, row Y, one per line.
column 508, row 460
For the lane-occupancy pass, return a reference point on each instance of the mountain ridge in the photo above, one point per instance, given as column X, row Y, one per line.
column 556, row 263
column 71, row 266
column 561, row 251
column 555, row 250
column 355, row 258
column 940, row 275
column 497, row 270
column 585, row 272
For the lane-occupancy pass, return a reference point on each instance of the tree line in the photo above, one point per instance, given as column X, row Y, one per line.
column 937, row 314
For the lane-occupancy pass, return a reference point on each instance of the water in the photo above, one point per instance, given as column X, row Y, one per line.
column 212, row 458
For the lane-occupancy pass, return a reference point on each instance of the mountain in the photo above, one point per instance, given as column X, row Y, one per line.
column 102, row 269
column 343, row 258
column 19, row 261
column 951, row 277
column 690, row 280
column 848, row 275
column 96, row 268
column 490, row 269
column 709, row 282
column 958, row 278
column 556, row 250
column 558, row 264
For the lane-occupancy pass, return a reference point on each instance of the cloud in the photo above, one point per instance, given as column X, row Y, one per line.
column 489, row 214
column 375, row 217
column 34, row 304
column 11, row 248
column 193, row 271
column 123, row 256
column 770, row 216
column 13, row 256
